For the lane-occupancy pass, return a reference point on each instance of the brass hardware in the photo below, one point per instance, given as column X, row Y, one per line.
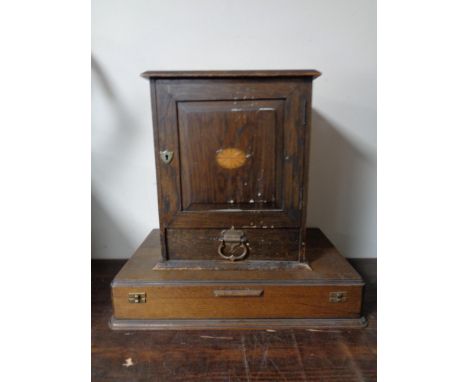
column 166, row 156
column 238, row 292
column 232, row 239
column 137, row 298
column 338, row 296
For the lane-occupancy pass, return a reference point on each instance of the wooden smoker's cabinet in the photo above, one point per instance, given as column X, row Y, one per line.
column 232, row 250
column 232, row 153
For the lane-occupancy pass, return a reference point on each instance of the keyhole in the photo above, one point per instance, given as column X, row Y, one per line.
column 166, row 156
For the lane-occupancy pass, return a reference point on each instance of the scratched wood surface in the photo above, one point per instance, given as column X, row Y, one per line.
column 282, row 355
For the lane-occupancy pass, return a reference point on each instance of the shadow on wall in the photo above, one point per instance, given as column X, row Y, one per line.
column 122, row 134
column 106, row 235
column 111, row 140
column 342, row 189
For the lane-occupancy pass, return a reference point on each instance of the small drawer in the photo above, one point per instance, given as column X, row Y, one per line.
column 258, row 244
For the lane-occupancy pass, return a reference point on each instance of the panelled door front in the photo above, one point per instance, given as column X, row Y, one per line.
column 230, row 153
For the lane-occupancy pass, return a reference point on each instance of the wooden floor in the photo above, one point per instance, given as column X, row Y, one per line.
column 282, row 355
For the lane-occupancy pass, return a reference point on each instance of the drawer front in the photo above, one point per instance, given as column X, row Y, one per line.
column 260, row 244
column 240, row 301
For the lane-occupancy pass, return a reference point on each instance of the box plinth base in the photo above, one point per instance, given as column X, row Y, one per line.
column 245, row 324
column 328, row 294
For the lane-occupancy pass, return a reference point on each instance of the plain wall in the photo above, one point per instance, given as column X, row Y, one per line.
column 337, row 37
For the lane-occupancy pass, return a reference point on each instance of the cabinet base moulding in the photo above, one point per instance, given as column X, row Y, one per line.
column 245, row 324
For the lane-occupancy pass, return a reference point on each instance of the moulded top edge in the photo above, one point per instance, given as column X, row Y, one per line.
column 231, row 73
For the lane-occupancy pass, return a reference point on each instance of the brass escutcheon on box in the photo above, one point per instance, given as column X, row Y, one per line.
column 338, row 296
column 137, row 298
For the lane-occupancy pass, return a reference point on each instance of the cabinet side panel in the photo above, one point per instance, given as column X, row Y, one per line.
column 306, row 91
column 154, row 113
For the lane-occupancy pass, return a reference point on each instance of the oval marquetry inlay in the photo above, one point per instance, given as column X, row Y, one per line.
column 231, row 158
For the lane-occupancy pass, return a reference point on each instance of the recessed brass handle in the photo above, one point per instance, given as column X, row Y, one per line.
column 238, row 292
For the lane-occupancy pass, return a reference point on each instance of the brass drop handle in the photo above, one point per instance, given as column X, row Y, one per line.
column 231, row 240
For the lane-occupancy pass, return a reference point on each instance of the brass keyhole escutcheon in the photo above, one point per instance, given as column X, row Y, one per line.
column 338, row 296
column 166, row 156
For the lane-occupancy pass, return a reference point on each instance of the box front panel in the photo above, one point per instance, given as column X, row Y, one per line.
column 238, row 301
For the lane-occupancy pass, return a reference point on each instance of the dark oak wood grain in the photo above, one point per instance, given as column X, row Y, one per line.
column 261, row 117
column 266, row 244
column 254, row 129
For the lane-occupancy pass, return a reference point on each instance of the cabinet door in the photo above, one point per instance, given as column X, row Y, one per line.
column 231, row 152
